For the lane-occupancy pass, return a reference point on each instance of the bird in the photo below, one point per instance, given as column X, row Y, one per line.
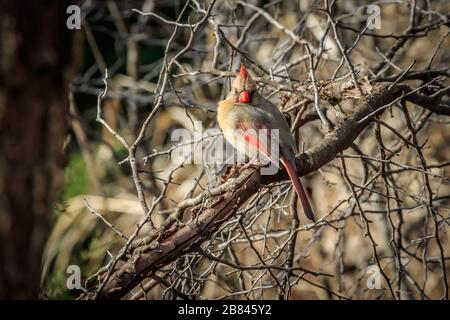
column 243, row 114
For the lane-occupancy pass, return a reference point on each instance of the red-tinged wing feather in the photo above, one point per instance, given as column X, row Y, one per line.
column 259, row 136
column 292, row 172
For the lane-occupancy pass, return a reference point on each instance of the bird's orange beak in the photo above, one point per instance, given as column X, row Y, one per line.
column 244, row 97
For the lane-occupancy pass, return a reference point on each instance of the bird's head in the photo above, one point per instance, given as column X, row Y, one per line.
column 243, row 88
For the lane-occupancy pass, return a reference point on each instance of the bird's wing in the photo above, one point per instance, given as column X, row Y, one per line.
column 276, row 116
column 260, row 136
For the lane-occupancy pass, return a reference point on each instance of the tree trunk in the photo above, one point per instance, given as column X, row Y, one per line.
column 35, row 50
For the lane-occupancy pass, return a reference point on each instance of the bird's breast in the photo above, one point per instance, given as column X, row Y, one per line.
column 228, row 116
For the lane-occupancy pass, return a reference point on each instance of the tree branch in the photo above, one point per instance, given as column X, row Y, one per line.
column 181, row 239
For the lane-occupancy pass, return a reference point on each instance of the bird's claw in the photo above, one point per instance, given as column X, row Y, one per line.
column 254, row 163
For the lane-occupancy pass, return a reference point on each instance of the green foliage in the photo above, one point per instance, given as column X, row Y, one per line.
column 55, row 286
column 76, row 177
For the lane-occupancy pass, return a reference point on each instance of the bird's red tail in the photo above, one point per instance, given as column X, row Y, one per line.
column 292, row 172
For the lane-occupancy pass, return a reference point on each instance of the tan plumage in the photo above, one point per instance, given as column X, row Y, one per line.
column 243, row 114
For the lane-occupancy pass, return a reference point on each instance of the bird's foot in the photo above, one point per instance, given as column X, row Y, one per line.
column 155, row 244
column 253, row 163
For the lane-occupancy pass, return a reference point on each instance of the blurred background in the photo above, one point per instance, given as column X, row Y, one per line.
column 61, row 170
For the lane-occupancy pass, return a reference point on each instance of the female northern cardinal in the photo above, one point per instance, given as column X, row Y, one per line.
column 244, row 114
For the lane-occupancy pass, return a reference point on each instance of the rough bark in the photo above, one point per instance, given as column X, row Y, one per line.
column 34, row 46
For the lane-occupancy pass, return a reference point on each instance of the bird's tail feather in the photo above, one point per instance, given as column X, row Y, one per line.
column 293, row 175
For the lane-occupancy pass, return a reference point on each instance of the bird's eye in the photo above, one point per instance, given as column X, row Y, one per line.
column 235, row 91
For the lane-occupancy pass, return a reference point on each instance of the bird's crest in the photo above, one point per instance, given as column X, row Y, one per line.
column 243, row 71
